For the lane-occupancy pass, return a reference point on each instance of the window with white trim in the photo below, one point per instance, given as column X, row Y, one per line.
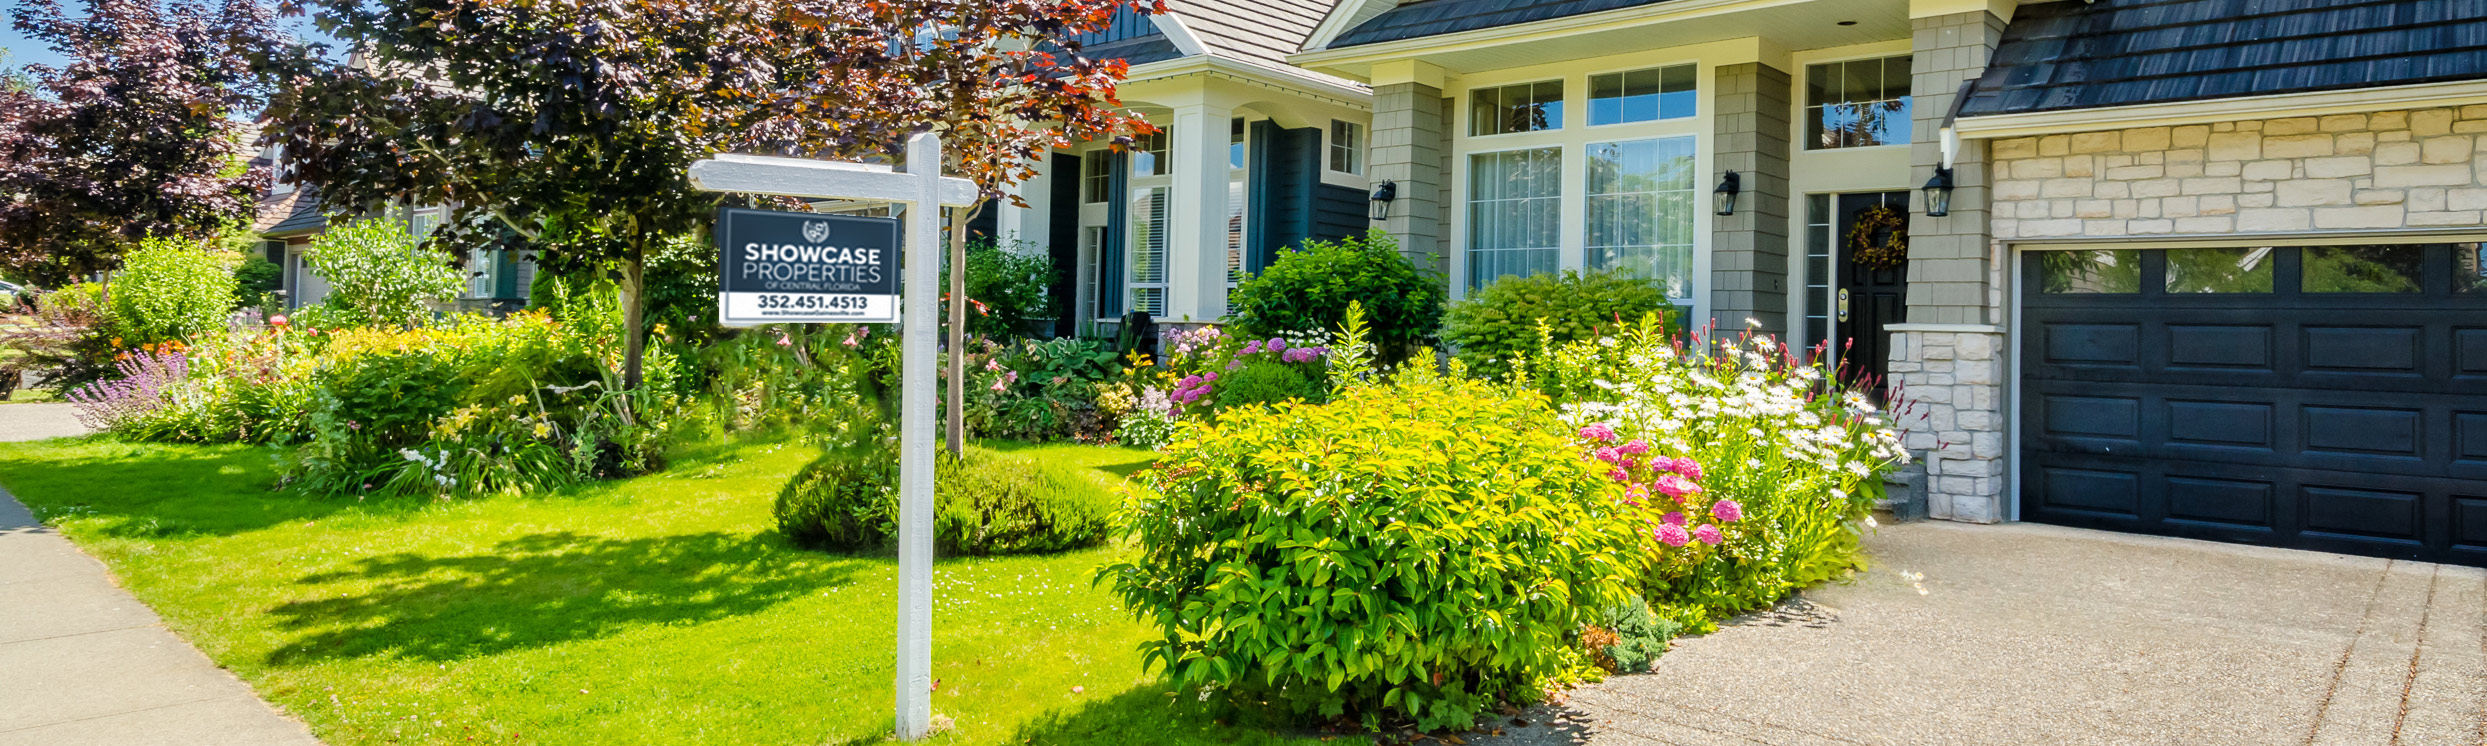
column 1641, row 199
column 1521, row 107
column 1643, row 95
column 1147, row 280
column 1346, row 147
column 1096, row 178
column 1148, row 154
column 1515, row 205
column 1857, row 103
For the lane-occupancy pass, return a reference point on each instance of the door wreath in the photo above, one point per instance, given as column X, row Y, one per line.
column 1889, row 253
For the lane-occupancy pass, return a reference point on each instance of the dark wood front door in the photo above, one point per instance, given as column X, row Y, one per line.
column 1867, row 298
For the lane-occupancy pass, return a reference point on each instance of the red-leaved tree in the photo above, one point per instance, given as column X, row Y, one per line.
column 133, row 137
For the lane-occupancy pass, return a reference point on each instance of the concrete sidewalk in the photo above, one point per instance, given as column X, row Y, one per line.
column 2027, row 634
column 81, row 662
column 32, row 421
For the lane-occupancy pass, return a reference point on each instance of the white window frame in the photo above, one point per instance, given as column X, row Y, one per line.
column 1588, row 95
column 1801, row 119
column 1352, row 149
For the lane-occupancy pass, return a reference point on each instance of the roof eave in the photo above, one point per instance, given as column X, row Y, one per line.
column 2205, row 111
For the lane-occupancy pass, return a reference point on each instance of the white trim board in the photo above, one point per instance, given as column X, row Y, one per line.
column 2319, row 103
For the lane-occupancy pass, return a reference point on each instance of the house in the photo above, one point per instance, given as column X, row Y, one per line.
column 290, row 217
column 1252, row 154
column 2204, row 268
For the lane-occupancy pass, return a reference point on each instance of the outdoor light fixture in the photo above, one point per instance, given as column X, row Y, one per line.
column 1726, row 193
column 1939, row 193
column 1382, row 195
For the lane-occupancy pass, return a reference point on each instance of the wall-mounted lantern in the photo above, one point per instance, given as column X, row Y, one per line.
column 1382, row 195
column 1726, row 193
column 1939, row 193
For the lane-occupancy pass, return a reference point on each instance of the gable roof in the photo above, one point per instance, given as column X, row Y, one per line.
column 1259, row 31
column 291, row 214
column 2081, row 55
column 1436, row 17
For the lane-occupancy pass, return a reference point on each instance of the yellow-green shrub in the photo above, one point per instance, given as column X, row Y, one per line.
column 1419, row 549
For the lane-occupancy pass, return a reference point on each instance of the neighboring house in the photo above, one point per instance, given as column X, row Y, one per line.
column 290, row 217
column 2209, row 268
column 1253, row 155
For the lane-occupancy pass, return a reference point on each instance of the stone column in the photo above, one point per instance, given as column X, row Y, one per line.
column 1196, row 224
column 1410, row 138
column 1749, row 250
column 1947, row 358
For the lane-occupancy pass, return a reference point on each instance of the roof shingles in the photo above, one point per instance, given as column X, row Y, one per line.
column 2080, row 55
column 1435, row 17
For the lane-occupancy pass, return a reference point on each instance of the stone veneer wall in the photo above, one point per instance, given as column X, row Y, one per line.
column 2391, row 170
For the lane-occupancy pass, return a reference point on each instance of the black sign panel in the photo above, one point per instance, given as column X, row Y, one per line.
column 800, row 267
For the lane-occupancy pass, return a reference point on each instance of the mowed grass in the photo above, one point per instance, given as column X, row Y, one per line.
column 660, row 610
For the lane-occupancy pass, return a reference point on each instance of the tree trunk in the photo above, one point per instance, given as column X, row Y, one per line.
column 955, row 433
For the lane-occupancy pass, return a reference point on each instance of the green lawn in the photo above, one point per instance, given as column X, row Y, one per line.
column 661, row 610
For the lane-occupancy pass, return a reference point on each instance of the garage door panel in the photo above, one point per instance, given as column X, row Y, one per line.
column 2341, row 421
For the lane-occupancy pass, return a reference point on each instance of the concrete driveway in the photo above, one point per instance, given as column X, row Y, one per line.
column 2027, row 634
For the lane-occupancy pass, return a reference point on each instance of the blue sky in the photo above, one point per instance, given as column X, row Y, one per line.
column 24, row 51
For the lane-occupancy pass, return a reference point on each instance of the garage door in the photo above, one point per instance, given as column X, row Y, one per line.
column 2319, row 397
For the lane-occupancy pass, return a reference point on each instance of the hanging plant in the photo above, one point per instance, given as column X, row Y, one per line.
column 1879, row 221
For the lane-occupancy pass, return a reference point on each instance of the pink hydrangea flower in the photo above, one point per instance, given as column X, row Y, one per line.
column 1673, row 518
column 1618, row 474
column 1636, row 447
column 1686, row 466
column 1673, row 485
column 1636, row 493
column 1708, row 534
column 1727, row 511
column 1607, row 455
column 1673, row 535
column 1597, row 433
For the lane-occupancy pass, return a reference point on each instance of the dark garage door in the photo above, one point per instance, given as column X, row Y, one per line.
column 2329, row 398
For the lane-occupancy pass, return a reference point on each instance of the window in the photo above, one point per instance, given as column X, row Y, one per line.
column 1855, row 104
column 1346, row 147
column 2390, row 268
column 2470, row 267
column 1148, row 155
column 422, row 221
column 1234, row 231
column 2219, row 270
column 2089, row 272
column 1526, row 107
column 1818, row 301
column 1515, row 204
column 1148, row 250
column 1641, row 197
column 1092, row 256
column 1642, row 95
column 1096, row 176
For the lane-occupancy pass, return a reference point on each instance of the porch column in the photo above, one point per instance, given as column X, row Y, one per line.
column 1410, row 145
column 1196, row 226
column 1950, row 355
column 1749, row 250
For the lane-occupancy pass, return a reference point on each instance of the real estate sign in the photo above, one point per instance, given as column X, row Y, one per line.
column 800, row 267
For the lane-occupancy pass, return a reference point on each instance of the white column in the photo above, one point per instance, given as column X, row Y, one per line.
column 919, row 322
column 1196, row 251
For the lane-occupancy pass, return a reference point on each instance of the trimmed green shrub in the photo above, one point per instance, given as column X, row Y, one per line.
column 170, row 289
column 1310, row 286
column 846, row 500
column 986, row 503
column 1265, row 379
column 379, row 274
column 1498, row 323
column 1417, row 549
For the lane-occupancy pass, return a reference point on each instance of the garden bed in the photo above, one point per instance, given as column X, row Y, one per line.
column 657, row 610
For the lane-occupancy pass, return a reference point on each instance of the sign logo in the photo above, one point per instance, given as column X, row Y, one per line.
column 816, row 231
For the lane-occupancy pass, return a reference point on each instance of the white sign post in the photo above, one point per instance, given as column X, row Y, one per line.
column 925, row 191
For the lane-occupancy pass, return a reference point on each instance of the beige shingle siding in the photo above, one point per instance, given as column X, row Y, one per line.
column 1263, row 31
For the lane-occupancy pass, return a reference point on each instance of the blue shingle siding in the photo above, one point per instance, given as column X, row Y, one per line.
column 2078, row 55
column 1435, row 17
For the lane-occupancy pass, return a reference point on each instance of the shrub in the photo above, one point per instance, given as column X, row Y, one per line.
column 256, row 277
column 1310, row 286
column 1269, row 381
column 1499, row 323
column 378, row 274
column 1032, row 390
column 1007, row 282
column 1774, row 458
column 1420, row 549
column 987, row 503
column 168, row 290
column 1629, row 637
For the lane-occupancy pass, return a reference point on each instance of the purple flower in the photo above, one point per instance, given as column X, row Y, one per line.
column 1597, row 433
column 1236, row 365
column 1727, row 511
column 1252, row 349
column 1708, row 534
column 1276, row 345
column 1189, row 381
column 1209, row 377
column 1672, row 535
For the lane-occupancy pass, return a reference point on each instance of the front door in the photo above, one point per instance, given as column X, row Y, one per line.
column 1872, row 287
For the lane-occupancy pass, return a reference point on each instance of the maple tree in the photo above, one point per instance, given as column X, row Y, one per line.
column 571, row 123
column 133, row 136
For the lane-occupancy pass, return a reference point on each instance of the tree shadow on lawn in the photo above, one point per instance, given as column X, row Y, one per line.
column 140, row 491
column 545, row 589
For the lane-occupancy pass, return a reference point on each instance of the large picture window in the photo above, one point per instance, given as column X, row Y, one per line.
column 1641, row 197
column 1148, row 250
column 1515, row 205
column 1526, row 107
column 1858, row 103
column 1642, row 95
